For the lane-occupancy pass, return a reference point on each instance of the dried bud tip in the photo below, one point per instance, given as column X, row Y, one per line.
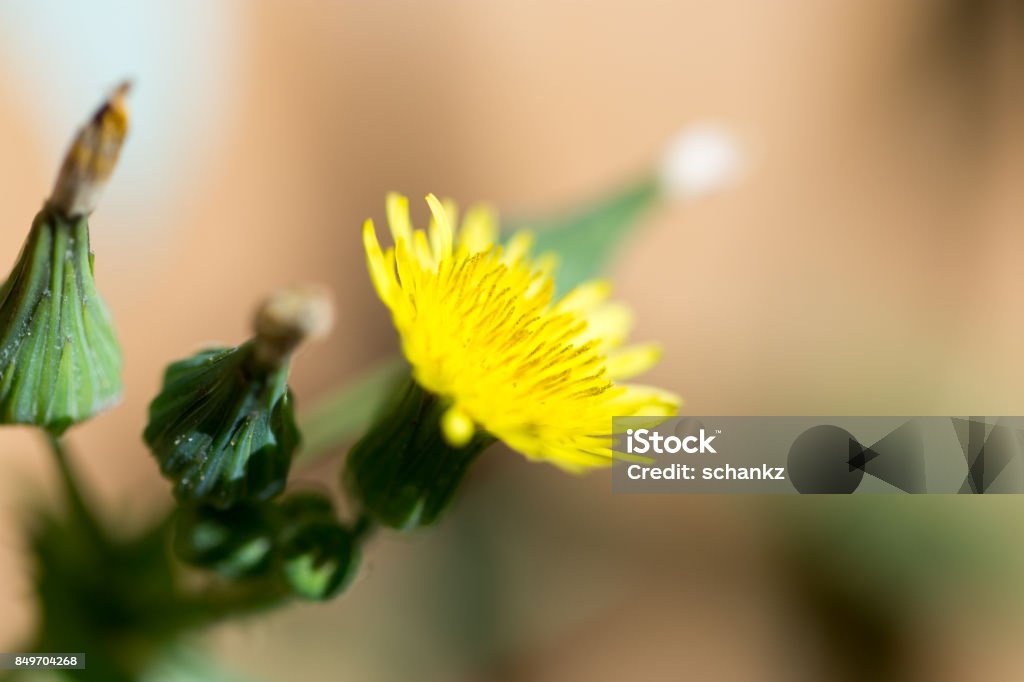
column 92, row 157
column 288, row 317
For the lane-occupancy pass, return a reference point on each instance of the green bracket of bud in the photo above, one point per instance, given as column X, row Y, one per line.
column 318, row 556
column 319, row 560
column 222, row 427
column 403, row 472
column 59, row 359
column 236, row 542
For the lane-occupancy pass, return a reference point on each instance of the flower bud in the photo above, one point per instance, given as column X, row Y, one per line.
column 59, row 359
column 319, row 560
column 236, row 542
column 222, row 427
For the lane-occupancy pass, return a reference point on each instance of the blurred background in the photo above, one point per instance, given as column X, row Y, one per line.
column 867, row 262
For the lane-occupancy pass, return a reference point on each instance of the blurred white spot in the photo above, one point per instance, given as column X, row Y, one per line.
column 65, row 57
column 699, row 160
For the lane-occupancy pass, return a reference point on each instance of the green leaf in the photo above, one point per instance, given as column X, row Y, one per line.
column 585, row 239
column 588, row 236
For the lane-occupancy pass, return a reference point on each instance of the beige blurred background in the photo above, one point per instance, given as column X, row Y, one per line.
column 869, row 262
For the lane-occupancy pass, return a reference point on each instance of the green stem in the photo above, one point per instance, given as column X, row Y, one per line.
column 239, row 599
column 363, row 528
column 78, row 506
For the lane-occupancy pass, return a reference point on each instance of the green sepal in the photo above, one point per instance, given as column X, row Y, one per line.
column 319, row 560
column 60, row 363
column 235, row 542
column 403, row 472
column 222, row 428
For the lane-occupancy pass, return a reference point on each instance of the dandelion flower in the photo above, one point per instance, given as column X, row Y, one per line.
column 497, row 356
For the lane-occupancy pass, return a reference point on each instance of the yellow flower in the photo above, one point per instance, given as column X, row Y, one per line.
column 480, row 329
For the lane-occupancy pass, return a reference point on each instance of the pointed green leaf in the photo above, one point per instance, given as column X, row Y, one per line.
column 586, row 237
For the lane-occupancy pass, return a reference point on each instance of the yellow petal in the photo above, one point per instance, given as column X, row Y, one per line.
column 478, row 229
column 585, row 297
column 628, row 362
column 610, row 324
column 398, row 217
column 382, row 276
column 518, row 246
column 648, row 401
column 441, row 235
column 422, row 250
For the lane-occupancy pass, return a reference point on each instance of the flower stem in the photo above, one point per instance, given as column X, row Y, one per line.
column 78, row 506
column 363, row 528
column 230, row 600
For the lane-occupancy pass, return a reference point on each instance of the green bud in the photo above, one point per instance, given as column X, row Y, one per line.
column 403, row 472
column 59, row 359
column 222, row 428
column 236, row 542
column 319, row 560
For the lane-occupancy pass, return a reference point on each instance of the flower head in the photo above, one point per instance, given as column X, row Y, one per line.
column 481, row 330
